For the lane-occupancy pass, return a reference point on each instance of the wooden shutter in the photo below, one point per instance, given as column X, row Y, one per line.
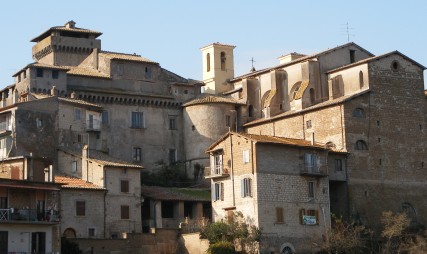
column 124, row 212
column 279, row 215
column 301, row 213
column 222, row 191
column 316, row 213
column 242, row 182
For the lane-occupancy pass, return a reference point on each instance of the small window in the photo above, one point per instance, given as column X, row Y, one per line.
column 312, row 96
column 246, row 156
column 80, row 208
column 223, row 60
column 39, row 73
column 338, row 165
column 172, row 156
column 19, row 78
column 361, row 145
column 395, row 65
column 172, row 123
column 193, row 128
column 208, row 62
column 359, row 113
column 279, row 215
column 218, row 191
column 352, row 56
column 185, row 91
column 361, row 81
column 124, row 186
column 124, row 212
column 77, row 114
column 216, row 164
column 148, row 72
column 55, row 74
column 246, row 187
column 24, row 74
column 136, row 154
column 137, row 120
column 105, row 118
column 308, row 124
column 91, row 232
column 227, row 121
column 311, row 189
column 73, row 166
column 120, row 69
column 39, row 123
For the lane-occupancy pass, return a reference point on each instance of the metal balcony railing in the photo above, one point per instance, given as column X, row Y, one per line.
column 93, row 125
column 313, row 170
column 28, row 215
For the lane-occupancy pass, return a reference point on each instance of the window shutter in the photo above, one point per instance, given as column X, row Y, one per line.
column 222, row 191
column 250, row 187
column 242, row 190
column 301, row 213
column 316, row 213
column 213, row 191
column 212, row 164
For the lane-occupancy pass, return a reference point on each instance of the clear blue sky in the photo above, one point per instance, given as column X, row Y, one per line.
column 171, row 32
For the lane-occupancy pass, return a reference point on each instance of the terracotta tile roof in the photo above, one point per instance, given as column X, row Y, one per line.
column 40, row 96
column 101, row 158
column 218, row 44
column 69, row 182
column 125, row 57
column 211, row 98
column 271, row 140
column 175, row 194
column 87, row 72
column 314, row 107
column 66, row 29
column 299, row 60
column 370, row 59
column 45, row 66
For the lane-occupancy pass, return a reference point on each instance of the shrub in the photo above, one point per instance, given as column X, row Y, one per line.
column 221, row 247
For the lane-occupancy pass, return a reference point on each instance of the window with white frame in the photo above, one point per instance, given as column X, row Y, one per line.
column 245, row 156
column 309, row 162
column 137, row 120
column 216, row 164
column 218, row 191
column 246, row 187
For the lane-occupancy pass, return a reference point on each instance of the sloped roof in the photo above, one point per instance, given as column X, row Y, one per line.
column 370, row 59
column 66, row 29
column 218, row 44
column 87, row 72
column 175, row 194
column 101, row 158
column 324, row 104
column 125, row 57
column 40, row 96
column 211, row 98
column 69, row 182
column 271, row 140
column 251, row 74
column 45, row 66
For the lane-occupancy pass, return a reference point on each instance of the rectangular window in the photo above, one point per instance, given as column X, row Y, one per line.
column 39, row 73
column 80, row 208
column 311, row 189
column 55, row 74
column 73, row 166
column 216, row 164
column 3, row 203
column 218, row 191
column 120, row 69
column 246, row 156
column 352, row 56
column 77, row 114
column 104, row 116
column 147, row 72
column 124, row 212
column 246, row 187
column 228, row 121
column 137, row 154
column 91, row 232
column 172, row 123
column 39, row 123
column 24, row 74
column 124, row 186
column 279, row 215
column 172, row 156
column 308, row 124
column 309, row 162
column 338, row 165
column 19, row 78
column 137, row 120
column 309, row 217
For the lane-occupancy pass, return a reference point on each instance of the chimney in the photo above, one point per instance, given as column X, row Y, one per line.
column 85, row 152
column 312, row 138
column 53, row 91
column 73, row 95
column 70, row 24
column 289, row 57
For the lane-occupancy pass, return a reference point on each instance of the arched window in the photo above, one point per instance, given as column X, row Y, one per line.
column 223, row 58
column 361, row 145
column 69, row 233
column 208, row 62
column 361, row 81
column 359, row 112
column 251, row 111
column 312, row 96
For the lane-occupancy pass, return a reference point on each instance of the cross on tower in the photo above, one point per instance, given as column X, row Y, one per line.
column 252, row 60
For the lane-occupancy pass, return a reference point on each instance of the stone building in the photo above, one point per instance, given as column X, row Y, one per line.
column 347, row 99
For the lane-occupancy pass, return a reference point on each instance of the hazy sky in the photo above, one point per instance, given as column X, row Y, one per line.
column 172, row 32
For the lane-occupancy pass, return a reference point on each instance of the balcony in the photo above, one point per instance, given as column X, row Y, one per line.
column 216, row 172
column 12, row 215
column 313, row 170
column 5, row 129
column 93, row 125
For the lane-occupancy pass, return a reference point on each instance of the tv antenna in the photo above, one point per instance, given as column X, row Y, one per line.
column 347, row 29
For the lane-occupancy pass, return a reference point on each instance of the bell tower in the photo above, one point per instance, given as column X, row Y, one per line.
column 218, row 67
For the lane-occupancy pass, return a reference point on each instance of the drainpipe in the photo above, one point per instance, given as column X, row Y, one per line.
column 232, row 171
column 105, row 206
